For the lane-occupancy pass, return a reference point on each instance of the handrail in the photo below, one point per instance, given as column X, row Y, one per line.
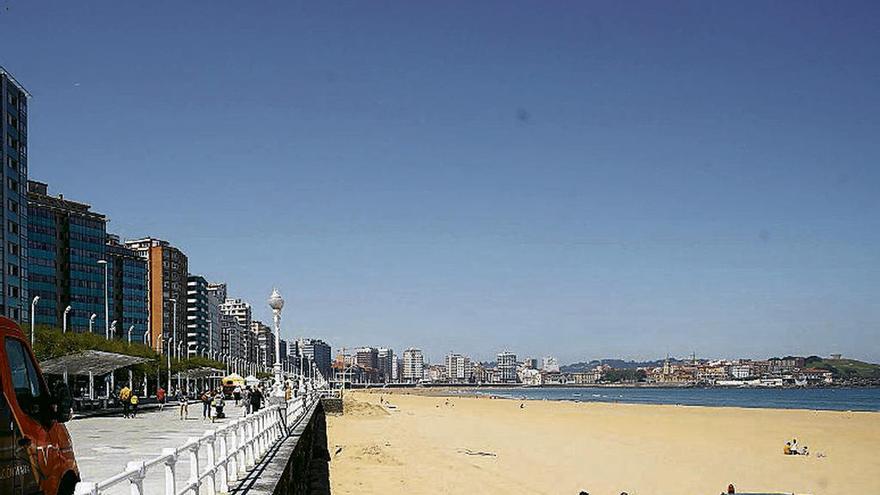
column 230, row 452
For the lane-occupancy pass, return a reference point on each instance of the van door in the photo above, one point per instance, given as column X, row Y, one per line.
column 15, row 469
column 7, row 449
column 27, row 432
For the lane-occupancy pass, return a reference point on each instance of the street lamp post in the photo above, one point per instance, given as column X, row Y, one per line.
column 168, row 342
column 179, row 346
column 112, row 330
column 130, row 329
column 174, row 321
column 92, row 322
column 33, row 319
column 276, row 302
column 65, row 318
column 106, row 300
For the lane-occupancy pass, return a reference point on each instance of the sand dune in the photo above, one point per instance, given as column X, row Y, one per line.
column 488, row 446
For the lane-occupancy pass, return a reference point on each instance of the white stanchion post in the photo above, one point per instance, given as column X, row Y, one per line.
column 170, row 483
column 193, row 480
column 137, row 481
column 250, row 450
column 223, row 465
column 241, row 457
column 212, row 463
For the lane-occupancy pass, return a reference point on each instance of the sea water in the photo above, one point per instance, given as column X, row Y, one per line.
column 837, row 399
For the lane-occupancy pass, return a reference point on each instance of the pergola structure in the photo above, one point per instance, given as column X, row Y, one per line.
column 90, row 363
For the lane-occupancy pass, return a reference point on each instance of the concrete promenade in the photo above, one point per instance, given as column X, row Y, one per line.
column 103, row 445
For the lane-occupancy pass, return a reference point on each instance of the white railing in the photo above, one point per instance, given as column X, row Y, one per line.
column 230, row 452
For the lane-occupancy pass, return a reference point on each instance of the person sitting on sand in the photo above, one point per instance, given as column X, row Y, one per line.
column 787, row 449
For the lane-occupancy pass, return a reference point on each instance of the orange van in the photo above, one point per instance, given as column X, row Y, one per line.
column 36, row 453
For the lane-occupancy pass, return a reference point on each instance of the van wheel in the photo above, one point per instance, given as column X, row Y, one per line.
column 68, row 484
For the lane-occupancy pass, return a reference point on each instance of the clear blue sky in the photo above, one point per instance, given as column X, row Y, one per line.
column 580, row 179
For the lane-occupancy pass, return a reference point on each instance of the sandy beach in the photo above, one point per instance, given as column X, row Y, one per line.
column 480, row 445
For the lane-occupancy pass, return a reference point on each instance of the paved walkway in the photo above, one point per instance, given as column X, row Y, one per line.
column 103, row 445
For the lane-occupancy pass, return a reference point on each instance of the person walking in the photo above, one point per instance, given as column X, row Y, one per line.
column 256, row 399
column 160, row 398
column 134, row 405
column 125, row 399
column 183, row 400
column 218, row 406
column 206, row 404
column 246, row 400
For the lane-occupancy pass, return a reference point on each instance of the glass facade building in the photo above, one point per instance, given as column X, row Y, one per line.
column 65, row 241
column 128, row 290
column 14, row 298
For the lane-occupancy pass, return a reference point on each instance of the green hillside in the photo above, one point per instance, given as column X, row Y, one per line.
column 845, row 368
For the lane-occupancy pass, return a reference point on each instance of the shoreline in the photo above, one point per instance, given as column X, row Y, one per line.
column 452, row 392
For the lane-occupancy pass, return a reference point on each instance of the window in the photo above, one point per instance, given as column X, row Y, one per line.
column 28, row 388
column 12, row 291
column 13, row 206
column 13, row 227
column 12, row 248
column 13, row 184
column 12, row 269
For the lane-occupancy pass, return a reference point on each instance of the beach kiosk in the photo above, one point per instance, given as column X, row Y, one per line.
column 230, row 382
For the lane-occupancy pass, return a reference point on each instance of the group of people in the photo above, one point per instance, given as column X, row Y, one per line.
column 251, row 399
column 129, row 401
column 791, row 448
column 212, row 399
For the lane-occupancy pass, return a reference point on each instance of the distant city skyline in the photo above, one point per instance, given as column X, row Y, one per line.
column 583, row 182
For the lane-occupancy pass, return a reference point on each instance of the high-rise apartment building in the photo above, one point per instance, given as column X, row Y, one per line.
column 368, row 357
column 265, row 339
column 386, row 364
column 128, row 289
column 215, row 326
column 14, row 298
column 66, row 242
column 241, row 310
column 459, row 369
column 167, row 274
column 506, row 364
column 318, row 352
column 232, row 340
column 199, row 326
column 218, row 290
column 413, row 365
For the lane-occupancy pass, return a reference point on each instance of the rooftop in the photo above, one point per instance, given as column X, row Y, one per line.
column 14, row 81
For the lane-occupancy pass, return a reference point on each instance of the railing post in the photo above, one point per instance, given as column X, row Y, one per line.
column 137, row 480
column 170, row 483
column 232, row 465
column 223, row 465
column 250, row 448
column 259, row 435
column 193, row 481
column 241, row 449
column 212, row 463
